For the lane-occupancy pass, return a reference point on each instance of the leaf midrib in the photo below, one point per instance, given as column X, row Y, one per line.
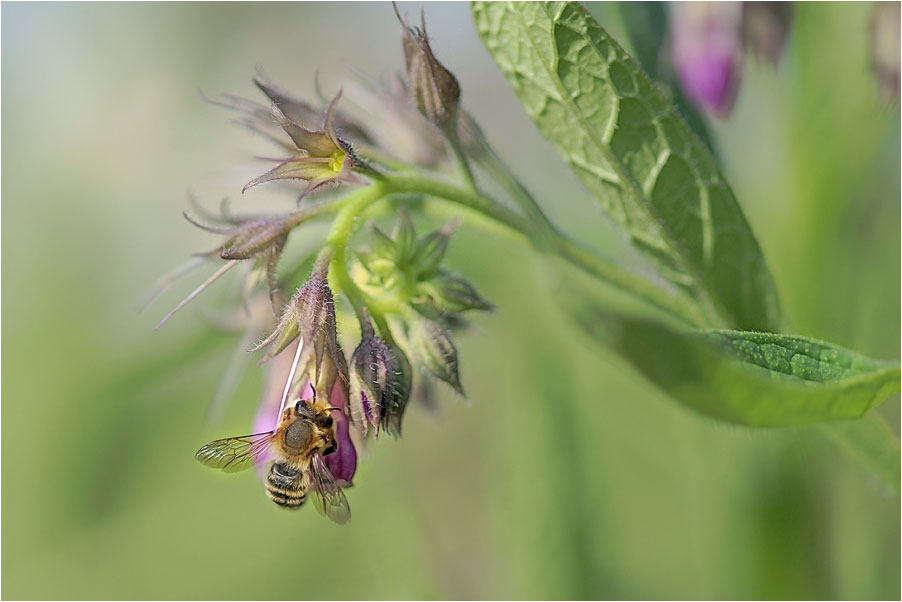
column 629, row 183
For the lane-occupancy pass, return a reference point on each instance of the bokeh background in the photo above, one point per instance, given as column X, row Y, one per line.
column 565, row 475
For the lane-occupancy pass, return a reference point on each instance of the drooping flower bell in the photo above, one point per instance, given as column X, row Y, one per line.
column 707, row 50
column 309, row 319
column 320, row 157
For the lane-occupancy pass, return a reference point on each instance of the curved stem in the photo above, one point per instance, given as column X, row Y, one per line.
column 323, row 208
column 497, row 169
column 553, row 241
column 461, row 158
column 357, row 203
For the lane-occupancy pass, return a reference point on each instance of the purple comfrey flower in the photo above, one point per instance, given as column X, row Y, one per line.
column 342, row 463
column 707, row 52
column 320, row 157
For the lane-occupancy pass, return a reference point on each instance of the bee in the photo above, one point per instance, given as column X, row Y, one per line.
column 302, row 437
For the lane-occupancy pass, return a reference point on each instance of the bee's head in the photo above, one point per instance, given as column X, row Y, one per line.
column 303, row 409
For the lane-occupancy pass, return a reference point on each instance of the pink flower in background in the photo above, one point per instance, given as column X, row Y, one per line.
column 707, row 52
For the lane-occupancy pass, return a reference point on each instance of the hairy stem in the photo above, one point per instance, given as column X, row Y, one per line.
column 356, row 205
column 553, row 241
column 461, row 158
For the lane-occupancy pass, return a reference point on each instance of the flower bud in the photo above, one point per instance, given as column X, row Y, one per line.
column 399, row 388
column 434, row 89
column 309, row 314
column 256, row 238
column 453, row 294
column 707, row 52
column 438, row 353
column 430, row 250
column 405, row 238
column 371, row 366
column 765, row 26
column 885, row 36
column 381, row 256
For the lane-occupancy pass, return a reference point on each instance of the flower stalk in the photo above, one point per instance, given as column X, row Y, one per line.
column 408, row 304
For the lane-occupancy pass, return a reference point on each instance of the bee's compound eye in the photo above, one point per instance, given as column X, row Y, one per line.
column 328, row 421
column 299, row 406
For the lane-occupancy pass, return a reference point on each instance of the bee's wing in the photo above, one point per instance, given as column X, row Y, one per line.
column 236, row 453
column 329, row 499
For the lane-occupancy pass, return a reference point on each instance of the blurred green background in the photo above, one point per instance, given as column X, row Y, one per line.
column 564, row 476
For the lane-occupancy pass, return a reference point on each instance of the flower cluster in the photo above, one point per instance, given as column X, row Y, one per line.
column 405, row 301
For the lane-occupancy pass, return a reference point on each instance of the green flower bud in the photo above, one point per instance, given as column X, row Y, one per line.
column 405, row 238
column 438, row 353
column 453, row 294
column 430, row 251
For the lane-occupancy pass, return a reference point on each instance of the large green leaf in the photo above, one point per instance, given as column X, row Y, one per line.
column 646, row 26
column 757, row 379
column 634, row 154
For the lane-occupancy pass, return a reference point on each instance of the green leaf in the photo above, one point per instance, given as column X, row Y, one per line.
column 634, row 154
column 646, row 27
column 761, row 380
column 748, row 378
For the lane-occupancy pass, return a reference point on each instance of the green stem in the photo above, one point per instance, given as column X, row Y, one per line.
column 498, row 170
column 564, row 248
column 461, row 158
column 356, row 205
column 377, row 156
column 323, row 208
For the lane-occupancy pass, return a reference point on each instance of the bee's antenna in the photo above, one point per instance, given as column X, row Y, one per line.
column 312, row 388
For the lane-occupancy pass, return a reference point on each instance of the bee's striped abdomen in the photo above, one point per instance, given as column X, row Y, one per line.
column 285, row 486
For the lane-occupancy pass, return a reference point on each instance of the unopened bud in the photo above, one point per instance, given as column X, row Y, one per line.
column 405, row 238
column 309, row 312
column 438, row 352
column 434, row 89
column 453, row 294
column 256, row 238
column 371, row 366
column 706, row 50
column 430, row 251
column 885, row 36
column 250, row 238
column 400, row 386
column 765, row 26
